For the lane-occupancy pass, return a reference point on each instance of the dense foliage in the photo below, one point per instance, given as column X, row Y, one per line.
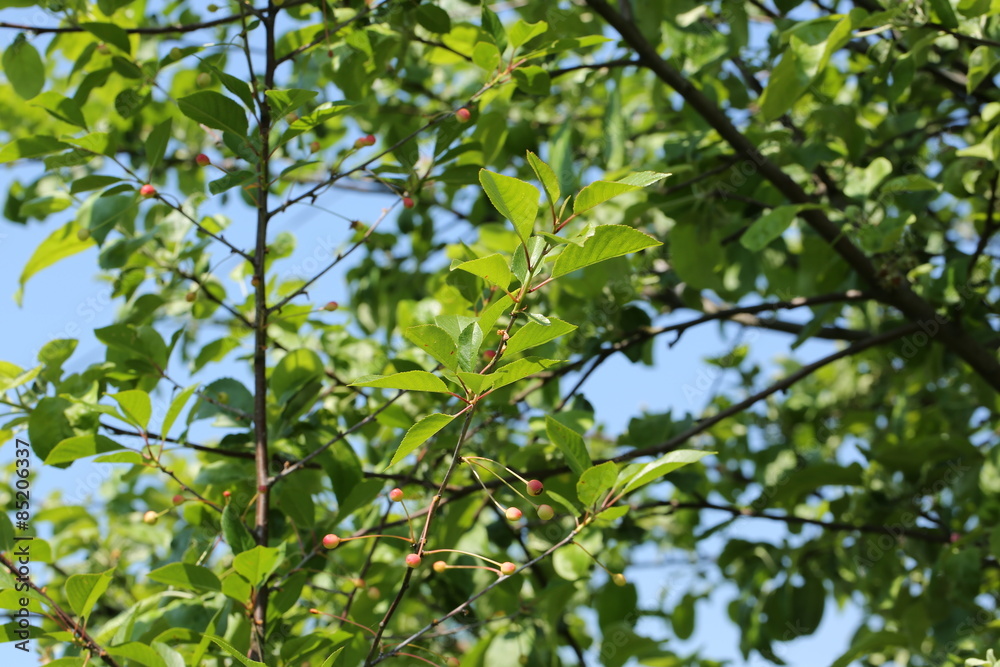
column 838, row 162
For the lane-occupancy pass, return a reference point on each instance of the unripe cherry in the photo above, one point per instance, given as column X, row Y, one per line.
column 369, row 140
column 103, row 49
column 396, row 495
column 203, row 80
column 545, row 512
column 314, row 147
column 331, row 306
column 489, row 354
column 190, row 297
column 535, row 487
column 202, row 160
column 408, row 202
column 440, row 566
column 82, row 234
column 619, row 579
column 314, row 610
column 463, row 115
column 453, row 662
column 374, row 593
column 508, row 568
column 150, row 517
column 178, row 499
column 513, row 513
column 331, row 541
column 412, row 560
column 147, row 191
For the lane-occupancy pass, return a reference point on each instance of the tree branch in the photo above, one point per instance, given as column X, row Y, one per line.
column 979, row 358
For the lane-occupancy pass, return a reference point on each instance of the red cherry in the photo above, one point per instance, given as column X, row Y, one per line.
column 331, row 541
column 463, row 115
column 370, row 140
column 513, row 513
column 227, row 493
column 535, row 487
column 412, row 560
column 396, row 495
column 147, row 191
column 331, row 306
column 489, row 354
column 408, row 203
column 202, row 160
column 178, row 499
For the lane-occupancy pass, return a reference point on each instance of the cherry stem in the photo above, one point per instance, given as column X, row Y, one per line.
column 409, row 521
column 365, row 537
column 467, row 553
column 474, row 461
column 489, row 495
column 610, row 573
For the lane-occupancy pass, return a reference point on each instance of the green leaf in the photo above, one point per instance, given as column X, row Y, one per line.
column 187, row 576
column 469, row 342
column 514, row 199
column 410, row 381
column 434, row 19
column 533, row 334
column 945, row 13
column 283, row 101
column 768, row 227
column 236, row 654
column 231, row 180
column 488, row 318
column 296, row 369
column 30, row 147
column 601, row 191
column 136, row 405
column 570, row 443
column 595, row 482
column 523, row 32
column 62, row 243
column 546, row 176
column 84, row 590
column 257, row 564
column 520, row 369
column 175, row 408
column 608, row 241
column 436, row 342
column 215, row 110
column 79, row 447
column 237, row 535
column 100, row 214
column 156, row 143
column 664, row 465
column 110, row 34
column 486, row 56
column 24, row 68
column 494, row 28
column 93, row 182
column 492, row 268
column 63, row 108
column 981, row 62
column 533, row 80
column 329, row 662
column 137, row 653
column 419, row 433
column 130, row 457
